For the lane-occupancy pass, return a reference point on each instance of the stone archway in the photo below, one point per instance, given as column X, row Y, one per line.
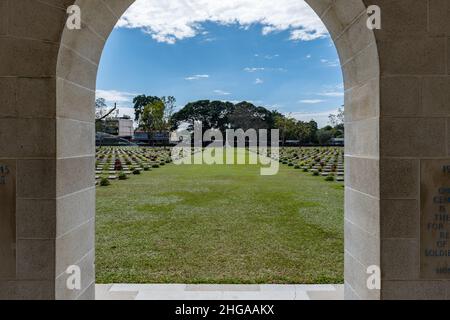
column 47, row 78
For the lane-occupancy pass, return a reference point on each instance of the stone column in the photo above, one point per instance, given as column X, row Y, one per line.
column 415, row 108
column 357, row 48
column 76, row 74
column 47, row 92
column 30, row 32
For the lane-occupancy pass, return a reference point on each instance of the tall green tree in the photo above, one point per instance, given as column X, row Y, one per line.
column 246, row 116
column 212, row 115
column 324, row 135
column 140, row 102
column 152, row 118
column 288, row 128
column 170, row 105
column 313, row 128
column 223, row 115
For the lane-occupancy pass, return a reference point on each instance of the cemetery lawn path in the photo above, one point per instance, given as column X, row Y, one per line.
column 220, row 224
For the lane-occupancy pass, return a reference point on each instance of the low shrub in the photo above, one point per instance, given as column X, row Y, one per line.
column 329, row 178
column 136, row 172
column 104, row 182
column 123, row 176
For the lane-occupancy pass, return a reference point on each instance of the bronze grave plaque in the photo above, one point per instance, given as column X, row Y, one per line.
column 435, row 219
column 7, row 219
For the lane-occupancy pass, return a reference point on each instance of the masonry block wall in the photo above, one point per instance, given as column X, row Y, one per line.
column 397, row 86
column 76, row 72
column 413, row 46
column 356, row 45
column 30, row 33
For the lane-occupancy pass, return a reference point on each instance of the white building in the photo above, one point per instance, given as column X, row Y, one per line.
column 126, row 127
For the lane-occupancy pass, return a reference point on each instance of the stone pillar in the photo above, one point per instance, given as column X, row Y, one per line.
column 357, row 48
column 29, row 40
column 76, row 73
column 47, row 92
column 415, row 107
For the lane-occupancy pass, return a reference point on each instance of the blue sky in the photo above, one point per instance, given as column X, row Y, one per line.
column 288, row 66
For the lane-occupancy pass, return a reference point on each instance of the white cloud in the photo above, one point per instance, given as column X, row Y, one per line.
column 333, row 91
column 197, row 77
column 260, row 69
column 332, row 94
column 308, row 56
column 270, row 57
column 331, row 63
column 259, row 81
column 267, row 56
column 322, row 118
column 222, row 93
column 171, row 21
column 248, row 69
column 313, row 114
column 306, row 35
column 311, row 101
column 113, row 96
column 211, row 39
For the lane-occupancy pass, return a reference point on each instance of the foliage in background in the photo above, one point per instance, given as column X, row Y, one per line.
column 158, row 114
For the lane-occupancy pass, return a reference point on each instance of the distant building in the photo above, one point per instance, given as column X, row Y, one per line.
column 159, row 138
column 337, row 141
column 108, row 140
column 291, row 143
column 121, row 127
column 126, row 128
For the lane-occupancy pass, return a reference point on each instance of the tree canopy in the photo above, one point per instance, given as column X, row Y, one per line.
column 212, row 115
column 224, row 115
column 244, row 115
column 140, row 102
column 157, row 114
column 152, row 118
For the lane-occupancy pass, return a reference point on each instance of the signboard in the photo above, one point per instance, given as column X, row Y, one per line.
column 7, row 219
column 435, row 219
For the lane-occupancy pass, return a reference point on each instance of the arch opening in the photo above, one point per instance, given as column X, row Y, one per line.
column 77, row 66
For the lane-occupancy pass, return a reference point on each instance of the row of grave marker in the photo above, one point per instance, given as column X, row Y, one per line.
column 118, row 163
column 326, row 162
column 114, row 163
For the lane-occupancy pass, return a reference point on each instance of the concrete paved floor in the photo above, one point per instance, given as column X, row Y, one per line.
column 217, row 292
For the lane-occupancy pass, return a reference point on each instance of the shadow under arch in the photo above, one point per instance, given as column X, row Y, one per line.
column 76, row 72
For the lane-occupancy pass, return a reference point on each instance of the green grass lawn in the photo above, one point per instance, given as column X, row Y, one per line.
column 220, row 224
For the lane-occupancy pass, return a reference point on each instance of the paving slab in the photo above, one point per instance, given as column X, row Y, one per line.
column 218, row 292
